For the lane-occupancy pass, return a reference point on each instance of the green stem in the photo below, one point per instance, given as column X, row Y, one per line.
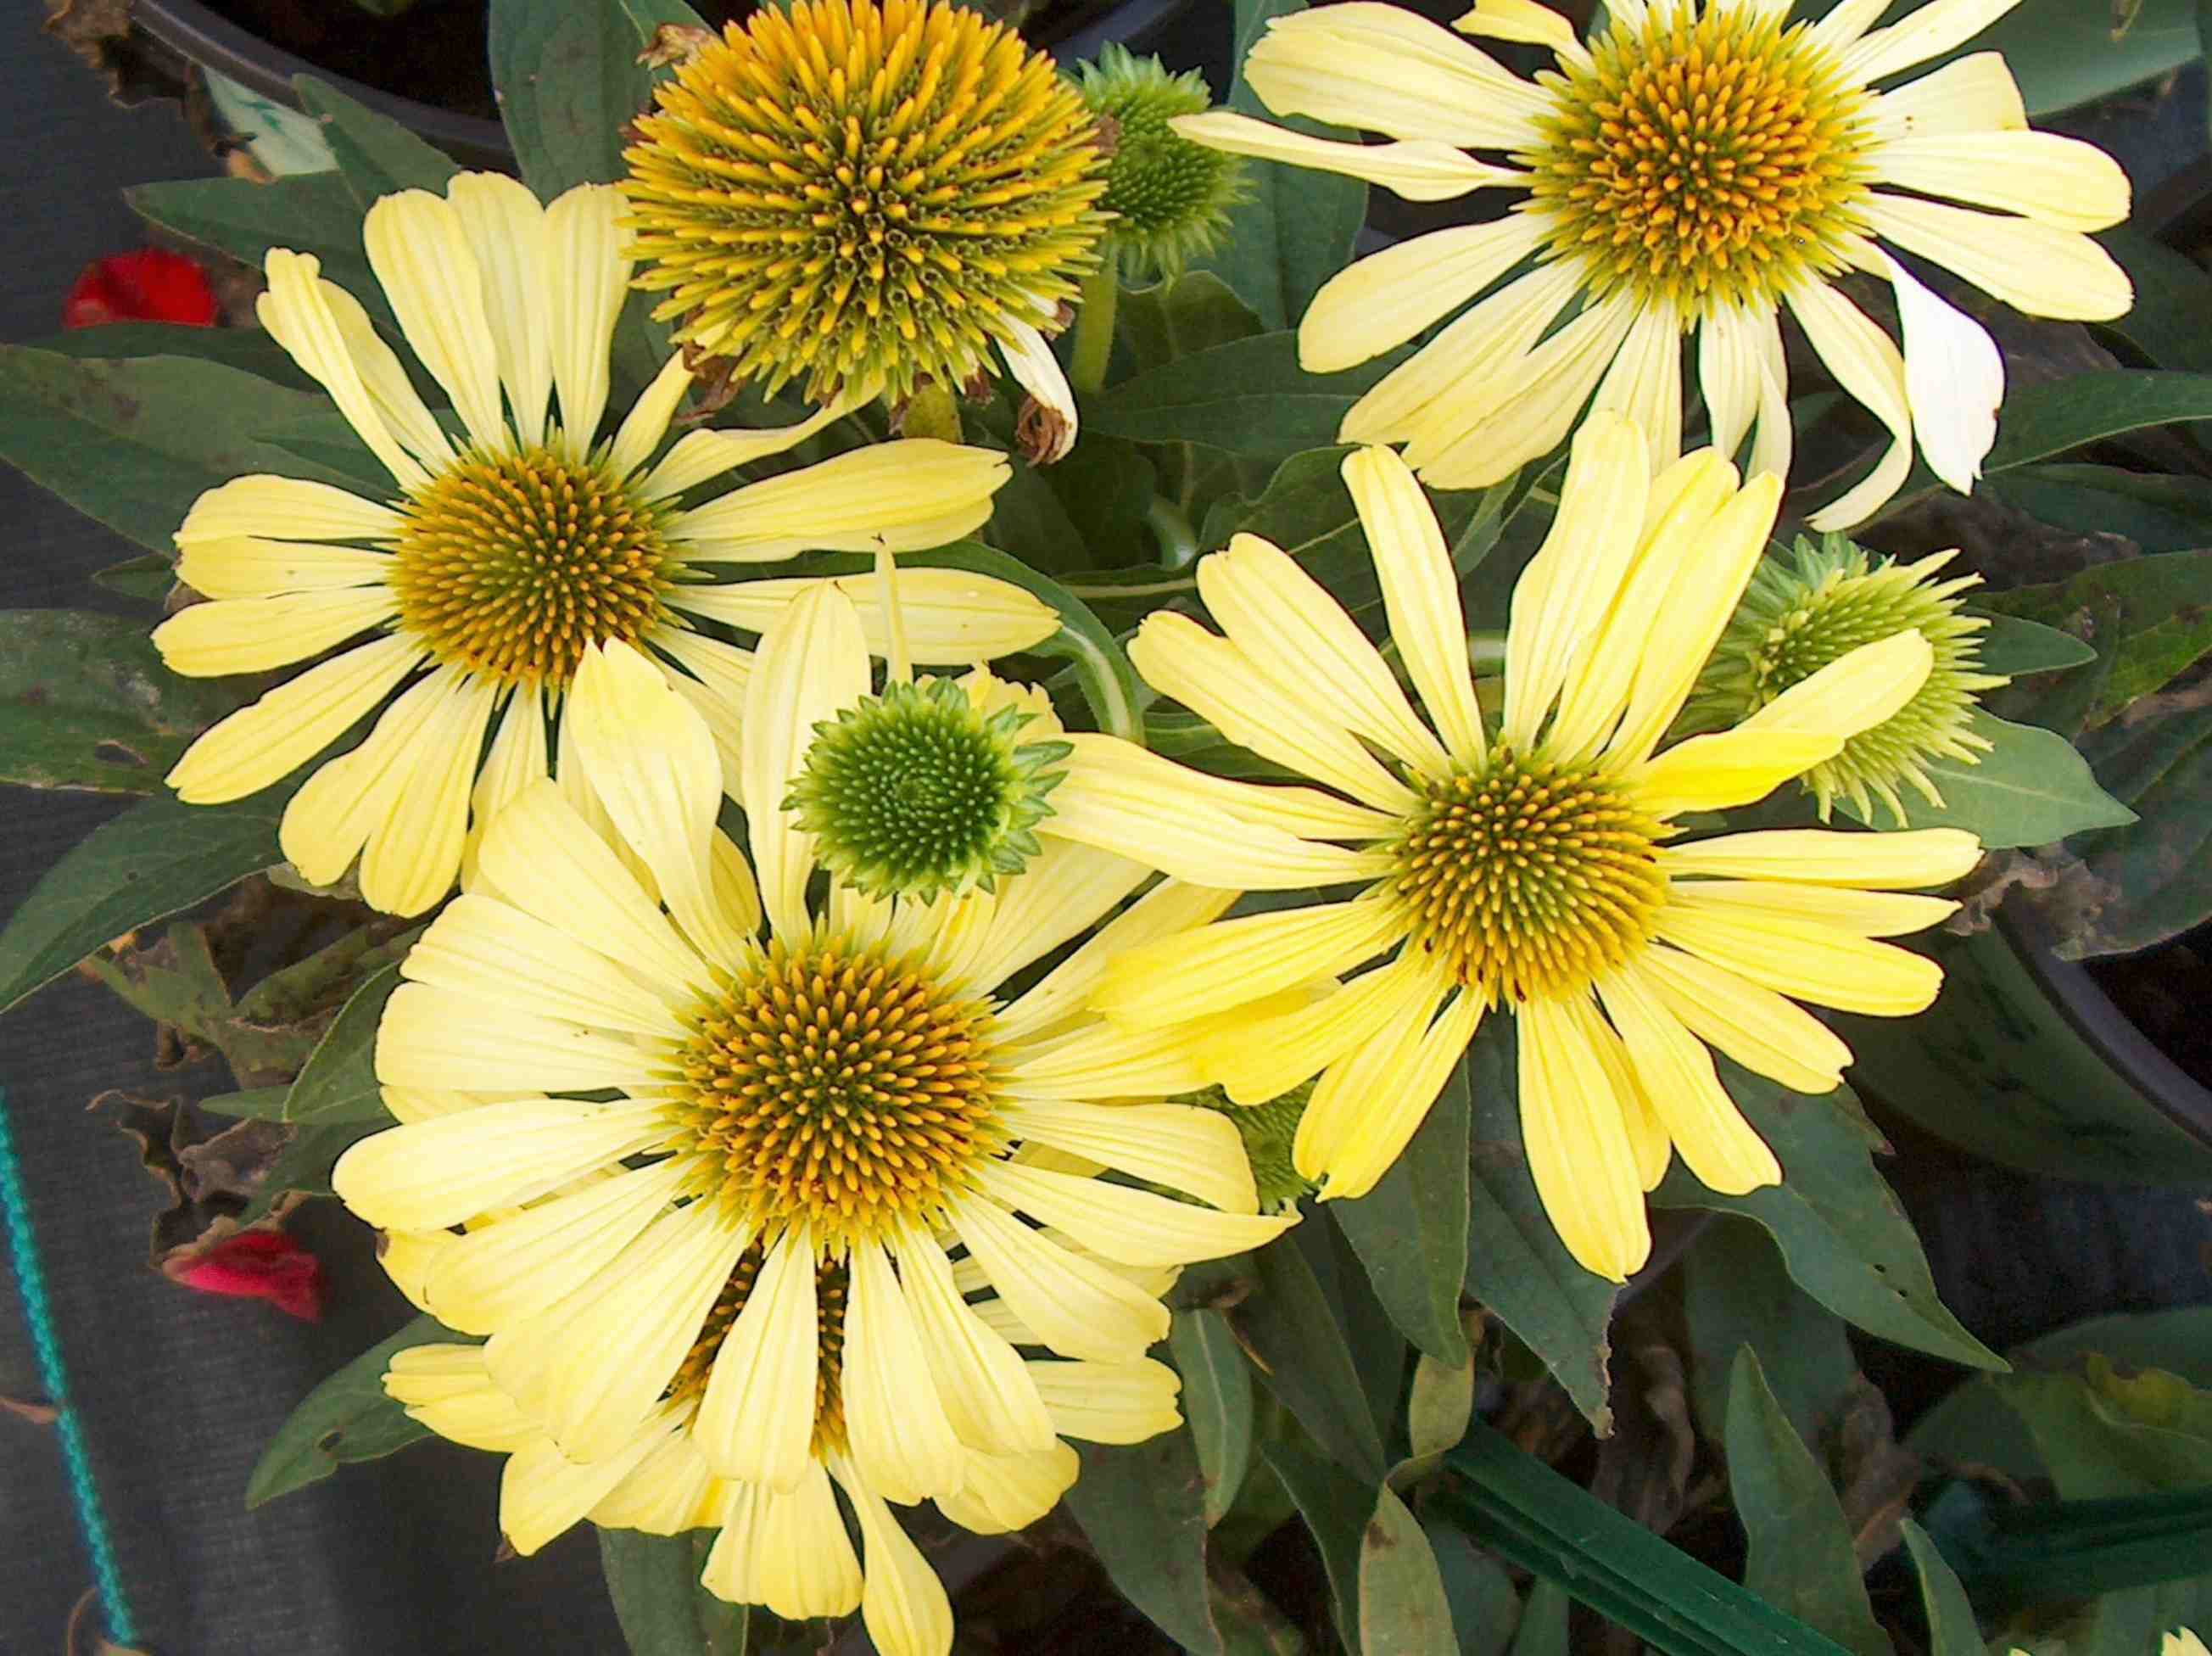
column 933, row 412
column 1094, row 330
column 1486, row 649
column 1171, row 528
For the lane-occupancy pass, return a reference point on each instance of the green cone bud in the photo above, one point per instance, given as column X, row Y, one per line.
column 1171, row 197
column 1823, row 601
column 919, row 791
column 1268, row 1130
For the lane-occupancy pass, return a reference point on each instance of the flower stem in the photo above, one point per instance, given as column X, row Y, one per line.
column 1094, row 329
column 933, row 410
column 1178, row 540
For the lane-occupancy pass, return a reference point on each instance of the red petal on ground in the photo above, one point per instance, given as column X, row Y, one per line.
column 151, row 285
column 259, row 1265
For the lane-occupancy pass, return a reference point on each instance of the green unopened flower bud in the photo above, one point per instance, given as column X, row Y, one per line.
column 1268, row 1130
column 1823, row 601
column 1171, row 197
column 919, row 790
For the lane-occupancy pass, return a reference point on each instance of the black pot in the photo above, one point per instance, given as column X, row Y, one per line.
column 1179, row 29
column 2024, row 1059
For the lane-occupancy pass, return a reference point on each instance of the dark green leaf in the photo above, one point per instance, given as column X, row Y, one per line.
column 2151, row 880
column 2174, row 296
column 85, row 702
column 1296, row 230
column 1544, row 1622
column 1515, row 1263
column 149, row 577
column 1027, row 520
column 1217, row 1401
column 2014, row 647
column 259, row 1103
column 2155, row 615
column 1105, row 489
column 1290, row 1327
column 2160, row 512
column 305, row 1163
column 1802, row 1560
column 1403, row 1608
column 1843, row 1235
column 1143, row 1508
column 2103, row 1435
column 376, row 155
column 653, row 1581
column 1336, row 1507
column 1736, row 1295
column 248, row 350
column 154, row 859
column 2065, row 55
column 313, row 213
column 2053, row 416
column 2030, row 789
column 1409, row 1231
column 1156, row 325
column 1485, row 1608
column 133, row 442
column 1437, row 1408
column 1248, row 398
column 348, row 1417
column 339, row 1081
column 569, row 81
column 1952, row 1630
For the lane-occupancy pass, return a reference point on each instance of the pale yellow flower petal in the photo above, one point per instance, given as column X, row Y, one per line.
column 1644, row 382
column 1419, row 169
column 439, row 1173
column 1343, row 1099
column 1280, row 723
column 292, row 723
column 1852, row 693
column 1844, row 26
column 505, row 227
column 2033, row 268
column 652, row 761
column 1867, row 914
column 898, row 496
column 422, row 260
column 1004, row 1493
column 1189, row 1149
column 1818, row 856
column 487, row 950
column 635, row 1324
column 670, row 1491
column 1075, row 1306
column 1640, row 1115
column 1806, row 960
column 1381, row 67
column 1256, row 1058
column 541, row 1493
column 1579, row 1154
column 756, row 1419
column 1927, row 32
column 1954, row 378
column 247, row 566
column 542, row 857
column 386, row 380
column 584, row 242
column 1376, row 303
column 1870, row 369
column 714, row 681
column 903, row 1604
column 290, row 508
column 895, row 1422
column 1527, row 21
column 812, row 662
column 953, row 618
column 1171, row 907
column 1287, row 623
column 698, row 456
column 1104, row 1061
column 432, row 1037
column 1974, row 94
column 516, row 758
column 1727, row 768
column 985, row 1390
column 1728, row 373
column 785, row 1551
column 1398, row 1101
column 445, row 1387
column 2058, row 181
column 1133, row 1226
column 1110, row 1403
column 1677, row 1075
column 1760, row 1030
column 296, row 313
column 648, row 421
column 1420, row 593
column 1037, row 371
column 502, row 1273
column 1564, row 593
column 1234, row 962
column 251, row 634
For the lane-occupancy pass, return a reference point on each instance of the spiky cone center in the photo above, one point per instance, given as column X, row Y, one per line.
column 917, row 791
column 843, row 193
column 1826, row 601
column 840, row 1088
column 511, row 565
column 1704, row 160
column 1270, row 1132
column 1170, row 199
column 1524, row 877
column 829, row 1285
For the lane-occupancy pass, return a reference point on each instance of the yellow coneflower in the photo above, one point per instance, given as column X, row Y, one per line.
column 862, row 196
column 743, row 1280
column 1542, row 866
column 1695, row 168
column 506, row 551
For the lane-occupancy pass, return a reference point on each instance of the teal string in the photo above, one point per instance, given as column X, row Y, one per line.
column 53, row 1375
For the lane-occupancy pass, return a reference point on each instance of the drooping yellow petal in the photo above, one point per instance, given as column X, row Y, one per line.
column 1005, row 1493
column 1678, row 1077
column 1260, row 1058
column 1761, row 1030
column 903, row 1604
column 1130, row 1225
column 952, row 616
column 756, row 1419
column 541, row 1493
column 1401, row 1101
column 1192, row 1150
column 297, row 720
column 903, row 496
column 1170, row 908
column 895, row 1422
column 1110, row 1403
column 1073, row 1305
column 985, row 1388
column 1572, row 1127
column 786, row 1551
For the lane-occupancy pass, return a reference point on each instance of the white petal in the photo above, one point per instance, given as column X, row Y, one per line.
column 1953, row 379
column 1037, row 371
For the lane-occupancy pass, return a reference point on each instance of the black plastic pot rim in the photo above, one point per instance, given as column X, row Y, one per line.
column 2090, row 1012
column 216, row 43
